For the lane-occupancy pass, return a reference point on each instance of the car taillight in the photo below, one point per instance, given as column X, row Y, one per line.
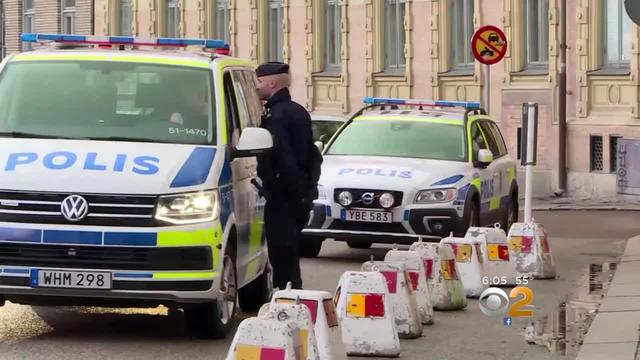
column 365, row 305
column 252, row 352
column 392, row 280
column 414, row 276
column 428, row 268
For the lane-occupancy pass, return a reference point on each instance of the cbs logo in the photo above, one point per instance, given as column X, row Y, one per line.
column 495, row 302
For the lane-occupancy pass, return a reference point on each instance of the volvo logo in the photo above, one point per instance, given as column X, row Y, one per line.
column 74, row 208
column 367, row 198
column 72, row 252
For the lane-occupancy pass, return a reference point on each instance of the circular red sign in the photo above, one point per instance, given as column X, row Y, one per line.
column 489, row 44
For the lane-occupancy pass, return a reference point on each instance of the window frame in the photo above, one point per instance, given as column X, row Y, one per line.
column 454, row 46
column 169, row 5
column 221, row 7
column 30, row 14
column 231, row 103
column 275, row 54
column 399, row 61
column 2, row 41
column 622, row 15
column 120, row 24
column 542, row 43
column 328, row 65
column 67, row 13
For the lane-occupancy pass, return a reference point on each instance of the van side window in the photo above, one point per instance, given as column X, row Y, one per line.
column 499, row 139
column 231, row 105
column 254, row 104
column 491, row 140
column 477, row 141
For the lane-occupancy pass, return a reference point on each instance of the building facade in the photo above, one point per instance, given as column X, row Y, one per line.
column 343, row 50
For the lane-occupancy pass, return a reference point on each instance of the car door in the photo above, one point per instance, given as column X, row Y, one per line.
column 500, row 171
column 250, row 111
column 488, row 190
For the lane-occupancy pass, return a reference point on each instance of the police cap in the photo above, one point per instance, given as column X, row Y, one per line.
column 272, row 68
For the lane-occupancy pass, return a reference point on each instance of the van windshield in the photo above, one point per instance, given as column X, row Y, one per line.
column 104, row 100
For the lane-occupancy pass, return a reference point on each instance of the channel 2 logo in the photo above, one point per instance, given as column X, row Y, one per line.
column 495, row 302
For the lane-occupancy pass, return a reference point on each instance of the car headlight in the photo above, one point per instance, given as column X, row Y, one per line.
column 189, row 208
column 386, row 200
column 345, row 198
column 436, row 196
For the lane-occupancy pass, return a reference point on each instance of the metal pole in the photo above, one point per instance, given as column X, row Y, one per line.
column 528, row 194
column 485, row 87
column 562, row 103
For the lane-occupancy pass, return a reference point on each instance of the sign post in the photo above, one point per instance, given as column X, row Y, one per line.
column 528, row 151
column 489, row 46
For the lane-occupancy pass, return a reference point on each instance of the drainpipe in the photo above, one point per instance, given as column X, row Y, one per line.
column 562, row 103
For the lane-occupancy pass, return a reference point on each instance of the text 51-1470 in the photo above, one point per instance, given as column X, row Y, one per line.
column 187, row 131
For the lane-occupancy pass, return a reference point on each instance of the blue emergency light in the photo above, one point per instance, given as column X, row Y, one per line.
column 124, row 40
column 469, row 105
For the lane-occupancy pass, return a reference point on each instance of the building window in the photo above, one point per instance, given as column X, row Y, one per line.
column 596, row 157
column 613, row 153
column 223, row 16
column 461, row 31
column 173, row 19
column 1, row 30
column 68, row 16
column 617, row 33
column 394, row 36
column 28, row 15
column 275, row 15
column 536, row 15
column 126, row 17
column 333, row 35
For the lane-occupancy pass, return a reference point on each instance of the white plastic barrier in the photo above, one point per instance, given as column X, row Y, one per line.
column 404, row 306
column 445, row 286
column 323, row 316
column 258, row 338
column 366, row 316
column 298, row 315
column 499, row 266
column 529, row 245
column 418, row 281
column 470, row 262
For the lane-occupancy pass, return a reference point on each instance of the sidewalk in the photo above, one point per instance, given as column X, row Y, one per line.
column 615, row 331
column 560, row 204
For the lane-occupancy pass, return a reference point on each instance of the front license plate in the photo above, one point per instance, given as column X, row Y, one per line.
column 368, row 216
column 70, row 279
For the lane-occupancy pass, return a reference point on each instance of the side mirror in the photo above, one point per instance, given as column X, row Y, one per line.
column 485, row 158
column 319, row 145
column 253, row 141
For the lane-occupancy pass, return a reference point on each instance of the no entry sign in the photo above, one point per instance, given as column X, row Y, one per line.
column 489, row 45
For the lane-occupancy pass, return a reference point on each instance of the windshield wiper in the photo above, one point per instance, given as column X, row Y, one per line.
column 21, row 134
column 126, row 138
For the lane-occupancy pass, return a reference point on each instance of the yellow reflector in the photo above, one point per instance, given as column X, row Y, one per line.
column 304, row 334
column 248, row 352
column 355, row 305
column 494, row 253
column 463, row 253
column 515, row 243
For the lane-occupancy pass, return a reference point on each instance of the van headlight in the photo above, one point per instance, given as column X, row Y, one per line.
column 436, row 196
column 189, row 208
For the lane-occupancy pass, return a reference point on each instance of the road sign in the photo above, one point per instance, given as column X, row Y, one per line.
column 633, row 10
column 489, row 45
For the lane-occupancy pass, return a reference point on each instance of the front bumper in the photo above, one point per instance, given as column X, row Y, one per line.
column 428, row 224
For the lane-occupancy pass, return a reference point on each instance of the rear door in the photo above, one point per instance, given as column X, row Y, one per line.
column 489, row 196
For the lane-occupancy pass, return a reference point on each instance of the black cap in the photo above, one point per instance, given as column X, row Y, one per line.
column 272, row 68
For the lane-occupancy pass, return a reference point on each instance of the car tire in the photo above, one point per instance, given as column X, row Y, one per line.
column 310, row 246
column 258, row 292
column 511, row 215
column 215, row 319
column 359, row 244
column 471, row 218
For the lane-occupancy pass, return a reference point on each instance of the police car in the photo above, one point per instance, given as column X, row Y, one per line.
column 400, row 169
column 126, row 177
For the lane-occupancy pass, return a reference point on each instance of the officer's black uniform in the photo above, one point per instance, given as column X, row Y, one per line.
column 284, row 176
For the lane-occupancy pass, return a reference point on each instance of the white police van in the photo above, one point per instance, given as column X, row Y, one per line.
column 126, row 178
column 428, row 169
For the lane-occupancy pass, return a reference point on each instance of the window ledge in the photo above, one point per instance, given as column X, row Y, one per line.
column 327, row 74
column 458, row 72
column 612, row 70
column 532, row 71
column 391, row 73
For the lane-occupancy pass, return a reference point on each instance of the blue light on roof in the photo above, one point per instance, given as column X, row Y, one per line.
column 420, row 102
column 124, row 40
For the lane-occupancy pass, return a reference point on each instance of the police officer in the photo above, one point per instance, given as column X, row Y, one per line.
column 284, row 172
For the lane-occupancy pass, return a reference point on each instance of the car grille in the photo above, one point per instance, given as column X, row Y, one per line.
column 359, row 203
column 105, row 257
column 108, row 210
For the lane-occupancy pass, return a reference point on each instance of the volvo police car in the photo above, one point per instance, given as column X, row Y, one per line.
column 127, row 177
column 401, row 169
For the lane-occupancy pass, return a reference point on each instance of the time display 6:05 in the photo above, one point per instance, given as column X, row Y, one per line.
column 503, row 280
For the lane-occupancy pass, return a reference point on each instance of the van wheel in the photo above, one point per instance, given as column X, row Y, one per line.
column 215, row 319
column 258, row 292
column 359, row 244
column 310, row 246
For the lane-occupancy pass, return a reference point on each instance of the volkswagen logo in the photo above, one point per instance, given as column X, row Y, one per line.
column 74, row 208
column 367, row 198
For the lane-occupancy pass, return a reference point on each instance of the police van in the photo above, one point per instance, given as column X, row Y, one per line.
column 400, row 169
column 126, row 177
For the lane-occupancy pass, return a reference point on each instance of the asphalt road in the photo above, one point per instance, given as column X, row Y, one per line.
column 577, row 239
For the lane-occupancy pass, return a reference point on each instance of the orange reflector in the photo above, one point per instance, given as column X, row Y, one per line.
column 462, row 252
column 365, row 305
column 498, row 252
column 304, row 339
column 448, row 268
column 252, row 352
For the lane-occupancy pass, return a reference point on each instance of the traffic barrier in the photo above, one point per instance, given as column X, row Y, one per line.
column 529, row 245
column 499, row 266
column 405, row 310
column 445, row 286
column 266, row 339
column 323, row 316
column 418, row 281
column 469, row 261
column 366, row 316
column 299, row 315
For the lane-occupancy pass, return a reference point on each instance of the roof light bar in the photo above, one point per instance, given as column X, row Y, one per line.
column 469, row 105
column 123, row 40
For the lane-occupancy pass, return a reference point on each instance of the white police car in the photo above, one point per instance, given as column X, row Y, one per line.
column 431, row 168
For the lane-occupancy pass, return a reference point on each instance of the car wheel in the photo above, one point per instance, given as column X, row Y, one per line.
column 215, row 319
column 258, row 292
column 511, row 216
column 359, row 244
column 310, row 246
column 471, row 218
